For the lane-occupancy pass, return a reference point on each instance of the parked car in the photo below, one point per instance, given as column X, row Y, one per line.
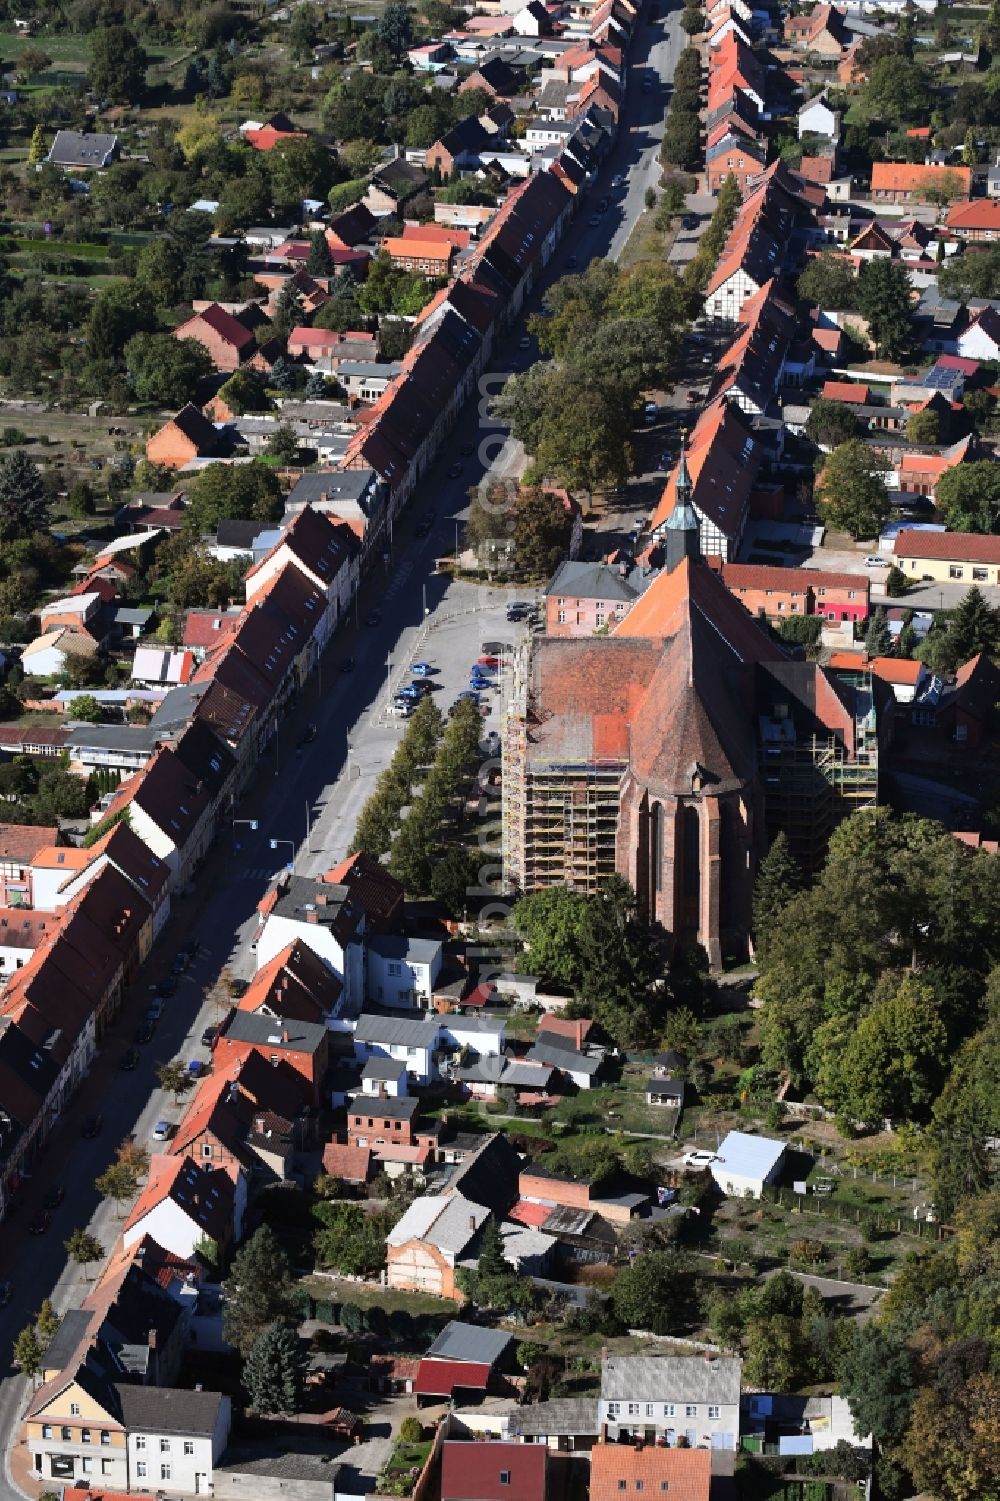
column 162, row 1131
column 92, row 1126
column 347, row 665
column 488, row 661
column 208, row 1037
column 423, row 669
column 196, row 1068
column 874, row 561
column 168, row 986
column 54, row 1196
column 400, row 709
column 467, row 450
column 145, row 1033
column 689, row 221
column 423, row 527
column 494, row 648
column 617, row 180
column 699, row 1159
column 129, row 1061
column 524, row 343
column 238, row 989
column 594, row 221
column 410, row 692
column 571, row 263
column 40, row 1223
column 155, row 1009
column 467, row 693
column 308, row 737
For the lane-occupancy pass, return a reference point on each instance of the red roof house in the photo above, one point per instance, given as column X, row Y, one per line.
column 493, row 1471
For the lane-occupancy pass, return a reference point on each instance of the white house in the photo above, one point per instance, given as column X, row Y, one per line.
column 744, row 1164
column 184, row 1203
column 402, row 971
column 664, row 1398
column 384, row 1077
column 485, row 1035
column 46, row 656
column 818, row 119
column 981, row 340
column 413, row 1042
column 326, row 551
column 326, row 919
column 174, row 1437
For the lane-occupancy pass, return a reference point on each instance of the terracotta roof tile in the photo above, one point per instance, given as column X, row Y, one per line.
column 620, row 1472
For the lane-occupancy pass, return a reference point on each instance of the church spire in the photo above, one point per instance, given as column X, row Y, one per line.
column 683, row 532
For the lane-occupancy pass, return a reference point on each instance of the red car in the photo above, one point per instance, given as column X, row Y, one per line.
column 488, row 662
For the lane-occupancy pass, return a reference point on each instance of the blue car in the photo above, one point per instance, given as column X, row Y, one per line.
column 469, row 693
column 410, row 691
column 422, row 670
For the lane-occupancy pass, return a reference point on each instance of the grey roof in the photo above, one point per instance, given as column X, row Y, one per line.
column 562, row 1417
column 527, row 1075
column 398, row 946
column 458, row 1341
column 279, row 1033
column 330, row 485
column 448, row 1222
column 369, row 369
column 671, row 1378
column 79, row 148
column 276, row 1459
column 393, row 1107
column 318, row 902
column 232, row 533
column 591, row 581
column 133, row 614
column 67, row 1339
column 454, row 1021
column 391, row 1030
column 159, row 1409
column 568, row 1059
column 674, row 1088
column 484, row 1071
column 383, row 1068
column 114, row 737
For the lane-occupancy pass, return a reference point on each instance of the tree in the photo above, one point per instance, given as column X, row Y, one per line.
column 654, row 1292
column 778, row 880
column 165, row 370
column 884, row 301
column 257, row 1290
column 896, row 583
column 283, row 444
column 37, row 148
column 117, row 64
column 232, row 492
column 682, row 138
column 273, row 1373
column 320, row 262
column 395, row 27
column 972, row 275
column 878, row 637
column 877, row 1379
column 897, row 89
column 133, row 1156
column 303, row 32
column 350, row 1240
column 84, row 1248
column 28, row 1352
column 894, row 1060
column 771, row 1353
column 944, row 189
column 86, row 707
column 173, row 1076
column 968, row 497
column 454, row 877
column 118, row 1182
column 693, row 22
column 119, row 311
column 80, row 500
column 852, row 490
column 411, row 1430
column 244, row 392
column 831, row 422
column 829, row 282
column 47, row 1322
column 24, row 505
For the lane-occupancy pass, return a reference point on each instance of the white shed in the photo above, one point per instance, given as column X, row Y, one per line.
column 745, row 1163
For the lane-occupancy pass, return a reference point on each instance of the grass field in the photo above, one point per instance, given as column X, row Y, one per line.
column 369, row 1295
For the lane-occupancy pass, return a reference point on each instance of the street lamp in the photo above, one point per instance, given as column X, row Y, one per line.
column 291, row 845
column 252, row 824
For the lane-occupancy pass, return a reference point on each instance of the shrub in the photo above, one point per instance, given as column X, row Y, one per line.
column 411, row 1430
column 807, row 1252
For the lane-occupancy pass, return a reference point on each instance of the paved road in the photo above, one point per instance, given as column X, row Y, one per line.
column 313, row 786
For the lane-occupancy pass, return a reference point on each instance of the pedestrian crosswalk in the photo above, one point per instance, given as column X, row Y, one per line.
column 258, row 873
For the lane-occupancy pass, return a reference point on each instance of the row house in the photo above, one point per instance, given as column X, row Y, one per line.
column 716, row 475
column 20, row 845
column 667, row 1399
column 734, row 65
column 185, row 1203
column 249, row 1117
column 780, row 593
column 760, row 244
column 822, row 31
column 731, row 153
column 325, row 554
column 976, row 221
column 750, row 371
column 298, row 1051
column 911, row 182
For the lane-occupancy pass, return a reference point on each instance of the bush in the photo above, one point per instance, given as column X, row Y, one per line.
column 411, row 1430
column 896, row 582
column 807, row 1252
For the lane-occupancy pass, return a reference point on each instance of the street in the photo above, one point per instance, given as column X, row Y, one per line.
column 307, row 799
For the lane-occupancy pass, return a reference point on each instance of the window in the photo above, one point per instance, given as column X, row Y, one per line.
column 505, row 1477
column 639, row 1485
column 85, row 1435
column 164, row 1472
column 980, row 575
column 561, row 617
column 633, row 1409
column 690, row 1411
column 621, row 1485
column 206, row 1149
column 74, row 1409
column 87, row 1464
column 395, row 969
column 956, row 572
column 107, row 1466
column 713, row 1412
column 613, row 1409
column 46, row 1430
column 105, row 1437
column 668, row 1409
column 664, row 1485
column 140, row 1441
column 165, row 1442
column 140, row 1470
column 189, row 1446
column 649, row 1409
column 65, row 1433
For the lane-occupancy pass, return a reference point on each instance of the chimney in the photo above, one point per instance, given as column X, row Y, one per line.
column 152, row 1339
column 311, row 917
column 284, row 1034
column 472, row 1222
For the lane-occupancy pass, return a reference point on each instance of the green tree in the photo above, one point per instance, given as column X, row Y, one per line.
column 878, row 637
column 84, row 1248
column 257, row 1292
column 852, row 490
column 411, row 1430
column 118, row 313
column 831, row 422
column 174, row 1077
column 118, row 1182
column 24, row 504
column 829, row 282
column 877, row 1378
column 455, row 878
column 37, row 148
column 80, row 500
column 303, row 32
column 245, row 391
column 654, row 1292
column 47, row 1322
column 350, row 1240
column 117, row 64
column 976, row 275
column 967, row 497
column 550, row 921
column 166, row 370
column 924, row 426
column 28, row 1352
column 771, row 1355
column 778, row 880
column 232, row 492
column 896, row 583
column 682, row 139
column 274, row 1370
column 974, row 627
column 86, row 707
column 884, row 301
column 283, row 444
column 395, row 27
column 320, row 262
column 894, row 1060
column 897, row 89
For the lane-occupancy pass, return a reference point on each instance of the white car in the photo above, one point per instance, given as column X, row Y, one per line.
column 876, row 562
column 699, row 1159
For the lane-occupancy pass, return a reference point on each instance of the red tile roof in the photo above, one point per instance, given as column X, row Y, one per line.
column 952, row 547
column 914, row 177
column 204, row 1195
column 352, row 1164
column 20, row 842
column 228, row 328
column 897, row 670
column 845, row 390
column 492, row 1471
column 982, row 213
column 618, row 1472
column 207, row 627
column 439, row 1378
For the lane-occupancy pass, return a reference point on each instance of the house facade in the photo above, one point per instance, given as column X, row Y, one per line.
column 666, row 1398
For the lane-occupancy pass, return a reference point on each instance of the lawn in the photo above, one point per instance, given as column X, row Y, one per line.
column 369, row 1295
column 405, row 1463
